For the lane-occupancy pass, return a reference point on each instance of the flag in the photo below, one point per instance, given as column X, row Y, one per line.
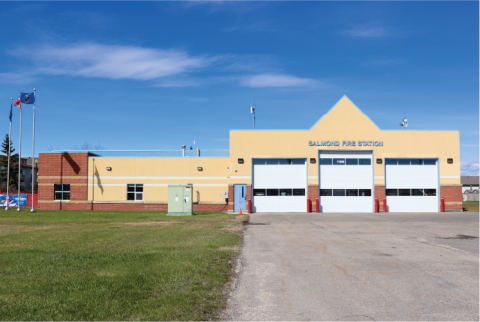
column 11, row 106
column 18, row 103
column 27, row 98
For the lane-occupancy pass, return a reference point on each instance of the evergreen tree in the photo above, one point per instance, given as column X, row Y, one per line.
column 13, row 166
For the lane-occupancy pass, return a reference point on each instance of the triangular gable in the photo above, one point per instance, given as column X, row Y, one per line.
column 344, row 116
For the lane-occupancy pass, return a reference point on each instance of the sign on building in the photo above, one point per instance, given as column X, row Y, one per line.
column 13, row 200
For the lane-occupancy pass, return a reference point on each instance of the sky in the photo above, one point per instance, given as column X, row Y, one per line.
column 158, row 75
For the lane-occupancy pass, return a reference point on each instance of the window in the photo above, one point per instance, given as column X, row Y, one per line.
column 417, row 192
column 365, row 192
column 326, row 161
column 392, row 192
column 286, row 192
column 278, row 161
column 272, row 161
column 352, row 161
column 299, row 192
column 62, row 191
column 298, row 161
column 411, row 192
column 339, row 192
column 272, row 192
column 365, row 161
column 135, row 192
column 411, row 161
column 352, row 192
column 338, row 161
column 325, row 192
column 259, row 161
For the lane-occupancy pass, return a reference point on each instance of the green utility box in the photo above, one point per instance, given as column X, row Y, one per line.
column 180, row 201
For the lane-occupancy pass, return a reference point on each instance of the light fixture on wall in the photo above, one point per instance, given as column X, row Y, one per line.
column 240, row 160
column 313, row 160
column 200, row 169
column 379, row 161
column 449, row 160
column 109, row 168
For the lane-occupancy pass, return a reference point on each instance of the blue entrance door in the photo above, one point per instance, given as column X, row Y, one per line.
column 240, row 198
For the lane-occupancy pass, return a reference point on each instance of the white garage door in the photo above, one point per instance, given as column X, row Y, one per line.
column 279, row 185
column 411, row 185
column 346, row 182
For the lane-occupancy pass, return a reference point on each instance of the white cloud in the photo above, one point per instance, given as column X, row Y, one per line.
column 112, row 61
column 470, row 168
column 17, row 78
column 366, row 31
column 277, row 80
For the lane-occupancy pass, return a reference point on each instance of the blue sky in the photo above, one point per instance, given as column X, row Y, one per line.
column 156, row 75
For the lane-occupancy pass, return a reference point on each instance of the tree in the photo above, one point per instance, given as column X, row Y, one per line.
column 88, row 146
column 13, row 166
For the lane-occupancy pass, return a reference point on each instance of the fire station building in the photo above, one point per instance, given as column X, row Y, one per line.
column 343, row 162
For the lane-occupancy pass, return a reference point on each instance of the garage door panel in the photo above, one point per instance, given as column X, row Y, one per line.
column 279, row 204
column 336, row 177
column 346, row 204
column 412, row 204
column 412, row 176
column 280, row 176
column 346, row 176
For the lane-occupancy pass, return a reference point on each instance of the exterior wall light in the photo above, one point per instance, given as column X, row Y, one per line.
column 240, row 160
column 200, row 169
column 313, row 160
column 449, row 160
column 109, row 168
column 379, row 161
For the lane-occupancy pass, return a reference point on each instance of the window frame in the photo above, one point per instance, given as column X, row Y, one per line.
column 135, row 192
column 63, row 191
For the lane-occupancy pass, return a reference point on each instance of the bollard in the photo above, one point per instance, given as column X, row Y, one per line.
column 309, row 208
column 384, row 204
column 442, row 204
column 376, row 205
column 249, row 206
column 317, row 205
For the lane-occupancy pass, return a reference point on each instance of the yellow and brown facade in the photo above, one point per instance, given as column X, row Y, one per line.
column 98, row 181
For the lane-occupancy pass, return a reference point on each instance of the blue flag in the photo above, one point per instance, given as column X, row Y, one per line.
column 27, row 98
column 11, row 112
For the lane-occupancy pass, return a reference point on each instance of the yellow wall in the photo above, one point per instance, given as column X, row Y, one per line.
column 344, row 122
column 156, row 174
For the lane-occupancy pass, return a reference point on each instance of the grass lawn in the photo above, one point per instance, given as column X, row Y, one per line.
column 85, row 265
column 470, row 206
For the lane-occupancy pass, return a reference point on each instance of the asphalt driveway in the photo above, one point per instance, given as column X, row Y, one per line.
column 358, row 267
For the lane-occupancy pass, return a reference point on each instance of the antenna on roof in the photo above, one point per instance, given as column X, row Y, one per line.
column 252, row 110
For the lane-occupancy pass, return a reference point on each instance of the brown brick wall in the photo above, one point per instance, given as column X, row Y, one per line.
column 65, row 166
column 453, row 197
column 313, row 195
column 126, row 206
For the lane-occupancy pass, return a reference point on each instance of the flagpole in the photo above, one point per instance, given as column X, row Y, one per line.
column 33, row 153
column 7, row 199
column 20, row 161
